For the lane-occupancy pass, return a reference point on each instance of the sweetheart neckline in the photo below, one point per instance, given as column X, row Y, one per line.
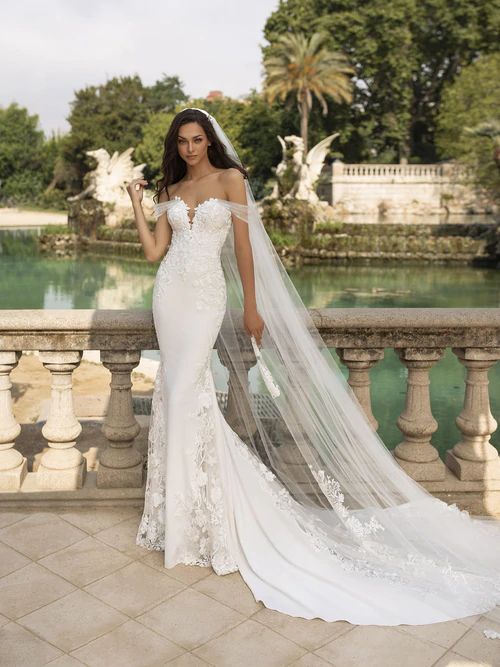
column 195, row 208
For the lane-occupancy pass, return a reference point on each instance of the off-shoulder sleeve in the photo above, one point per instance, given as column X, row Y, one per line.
column 160, row 208
column 241, row 211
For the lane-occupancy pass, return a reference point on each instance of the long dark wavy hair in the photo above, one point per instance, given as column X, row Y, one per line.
column 173, row 167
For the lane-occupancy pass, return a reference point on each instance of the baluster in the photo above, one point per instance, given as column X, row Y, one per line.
column 238, row 397
column 120, row 465
column 359, row 362
column 13, row 465
column 415, row 453
column 474, row 457
column 62, row 466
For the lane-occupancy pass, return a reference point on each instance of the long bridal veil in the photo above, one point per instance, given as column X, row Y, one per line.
column 309, row 432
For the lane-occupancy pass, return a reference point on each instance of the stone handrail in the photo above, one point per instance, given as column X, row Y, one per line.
column 398, row 170
column 470, row 474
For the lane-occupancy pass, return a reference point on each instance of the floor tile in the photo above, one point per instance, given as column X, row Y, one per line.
column 188, row 574
column 8, row 518
column 308, row 633
column 85, row 561
column 493, row 615
column 250, row 643
column 130, row 645
column 29, row 588
column 380, row 646
column 92, row 521
column 230, row 589
column 135, row 588
column 122, row 537
column 40, row 534
column 73, row 621
column 65, row 661
column 443, row 634
column 475, row 646
column 451, row 659
column 19, row 648
column 187, row 660
column 310, row 660
column 11, row 560
column 190, row 618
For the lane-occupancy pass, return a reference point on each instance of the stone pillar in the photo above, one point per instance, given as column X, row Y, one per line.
column 359, row 362
column 120, row 465
column 337, row 176
column 238, row 397
column 474, row 457
column 13, row 466
column 415, row 454
column 62, row 466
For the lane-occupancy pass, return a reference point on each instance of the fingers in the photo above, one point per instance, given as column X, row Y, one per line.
column 138, row 183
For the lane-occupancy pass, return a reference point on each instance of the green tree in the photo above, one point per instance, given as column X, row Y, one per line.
column 305, row 68
column 404, row 53
column 21, row 154
column 165, row 94
column 473, row 99
column 109, row 116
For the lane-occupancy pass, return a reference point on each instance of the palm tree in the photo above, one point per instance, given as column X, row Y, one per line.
column 306, row 67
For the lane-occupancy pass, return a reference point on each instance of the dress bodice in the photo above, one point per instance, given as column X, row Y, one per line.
column 196, row 243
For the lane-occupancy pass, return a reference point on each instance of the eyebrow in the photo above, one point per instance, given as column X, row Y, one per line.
column 179, row 136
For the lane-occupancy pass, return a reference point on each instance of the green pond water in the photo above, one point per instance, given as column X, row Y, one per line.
column 28, row 280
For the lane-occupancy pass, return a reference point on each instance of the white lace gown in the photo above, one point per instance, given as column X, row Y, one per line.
column 209, row 500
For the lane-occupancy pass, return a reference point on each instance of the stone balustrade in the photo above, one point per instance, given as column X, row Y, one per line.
column 469, row 475
column 400, row 190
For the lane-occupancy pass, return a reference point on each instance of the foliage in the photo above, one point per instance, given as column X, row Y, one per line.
column 21, row 155
column 473, row 99
column 405, row 53
column 56, row 229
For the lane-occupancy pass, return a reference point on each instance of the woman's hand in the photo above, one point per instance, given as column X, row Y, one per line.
column 253, row 323
column 136, row 189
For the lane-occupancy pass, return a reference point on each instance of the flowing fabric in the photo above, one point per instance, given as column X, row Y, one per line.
column 285, row 479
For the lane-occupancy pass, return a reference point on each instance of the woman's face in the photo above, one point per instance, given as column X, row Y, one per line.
column 192, row 143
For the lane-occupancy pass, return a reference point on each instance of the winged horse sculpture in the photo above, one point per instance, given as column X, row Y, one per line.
column 307, row 171
column 108, row 182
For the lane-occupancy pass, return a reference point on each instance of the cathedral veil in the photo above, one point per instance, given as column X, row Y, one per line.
column 344, row 487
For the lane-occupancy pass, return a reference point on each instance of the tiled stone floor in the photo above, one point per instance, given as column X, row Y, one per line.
column 74, row 589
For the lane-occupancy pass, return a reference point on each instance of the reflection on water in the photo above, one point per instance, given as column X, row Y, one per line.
column 31, row 281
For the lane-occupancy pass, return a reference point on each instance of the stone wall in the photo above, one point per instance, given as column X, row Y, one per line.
column 402, row 189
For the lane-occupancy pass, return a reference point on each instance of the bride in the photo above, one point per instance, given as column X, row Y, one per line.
column 282, row 477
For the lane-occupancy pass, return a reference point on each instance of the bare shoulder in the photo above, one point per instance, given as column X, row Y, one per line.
column 231, row 176
column 233, row 182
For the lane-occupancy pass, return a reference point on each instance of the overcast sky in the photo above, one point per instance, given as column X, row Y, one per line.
column 50, row 48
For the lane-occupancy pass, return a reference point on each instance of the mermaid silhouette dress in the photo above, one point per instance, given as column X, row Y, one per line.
column 210, row 501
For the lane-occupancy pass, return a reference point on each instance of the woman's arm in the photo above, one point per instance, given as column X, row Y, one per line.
column 234, row 184
column 156, row 244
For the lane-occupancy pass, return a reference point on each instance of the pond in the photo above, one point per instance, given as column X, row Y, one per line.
column 29, row 280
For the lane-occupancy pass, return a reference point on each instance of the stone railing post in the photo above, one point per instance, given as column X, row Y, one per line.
column 474, row 457
column 13, row 465
column 415, row 454
column 359, row 362
column 120, row 465
column 234, row 393
column 62, row 466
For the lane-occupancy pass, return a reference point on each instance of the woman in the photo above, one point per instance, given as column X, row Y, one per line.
column 285, row 480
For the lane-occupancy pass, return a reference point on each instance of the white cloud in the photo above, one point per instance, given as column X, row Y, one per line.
column 50, row 49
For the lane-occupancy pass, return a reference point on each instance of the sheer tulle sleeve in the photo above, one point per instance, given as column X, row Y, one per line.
column 161, row 207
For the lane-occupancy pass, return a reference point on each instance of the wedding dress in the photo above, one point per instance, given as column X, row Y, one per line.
column 287, row 483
